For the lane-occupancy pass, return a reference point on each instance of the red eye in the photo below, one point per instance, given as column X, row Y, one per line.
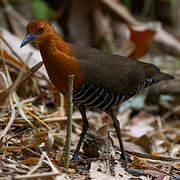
column 41, row 29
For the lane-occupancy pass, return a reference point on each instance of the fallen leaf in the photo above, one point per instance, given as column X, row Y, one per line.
column 158, row 175
column 145, row 142
column 140, row 129
column 141, row 39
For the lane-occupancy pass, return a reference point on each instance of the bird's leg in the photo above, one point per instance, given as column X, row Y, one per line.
column 84, row 130
column 118, row 130
column 123, row 156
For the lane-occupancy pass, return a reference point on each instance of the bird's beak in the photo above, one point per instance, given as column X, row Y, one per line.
column 29, row 38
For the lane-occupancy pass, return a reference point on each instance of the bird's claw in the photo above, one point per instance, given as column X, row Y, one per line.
column 82, row 164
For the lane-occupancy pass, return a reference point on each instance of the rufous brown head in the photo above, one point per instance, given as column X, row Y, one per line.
column 38, row 31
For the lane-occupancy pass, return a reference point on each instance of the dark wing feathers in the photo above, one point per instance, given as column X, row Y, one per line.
column 115, row 73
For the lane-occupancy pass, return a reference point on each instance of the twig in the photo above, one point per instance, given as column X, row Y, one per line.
column 38, row 165
column 61, row 119
column 13, row 87
column 19, row 80
column 38, row 175
column 46, row 120
column 15, row 136
column 69, row 121
column 54, row 169
column 35, row 117
column 12, row 118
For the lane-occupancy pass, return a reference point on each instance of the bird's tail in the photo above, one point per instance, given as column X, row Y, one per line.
column 162, row 76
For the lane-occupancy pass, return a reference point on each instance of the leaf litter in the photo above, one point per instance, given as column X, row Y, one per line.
column 33, row 131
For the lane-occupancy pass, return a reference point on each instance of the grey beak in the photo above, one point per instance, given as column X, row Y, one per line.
column 29, row 38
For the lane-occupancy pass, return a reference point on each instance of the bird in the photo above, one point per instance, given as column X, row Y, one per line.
column 101, row 80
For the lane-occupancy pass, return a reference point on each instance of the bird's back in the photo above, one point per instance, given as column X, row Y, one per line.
column 116, row 73
column 111, row 79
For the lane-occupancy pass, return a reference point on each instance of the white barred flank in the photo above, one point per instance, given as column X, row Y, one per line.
column 97, row 96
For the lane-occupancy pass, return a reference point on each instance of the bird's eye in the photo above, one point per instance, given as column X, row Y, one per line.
column 41, row 28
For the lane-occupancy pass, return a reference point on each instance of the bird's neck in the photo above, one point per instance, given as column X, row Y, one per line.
column 55, row 42
column 60, row 63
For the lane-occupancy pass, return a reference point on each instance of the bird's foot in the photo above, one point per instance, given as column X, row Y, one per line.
column 75, row 157
column 124, row 156
column 135, row 172
column 81, row 164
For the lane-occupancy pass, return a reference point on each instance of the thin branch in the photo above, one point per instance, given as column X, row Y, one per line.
column 69, row 121
column 38, row 175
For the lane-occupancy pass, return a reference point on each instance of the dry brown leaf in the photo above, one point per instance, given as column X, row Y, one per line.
column 158, row 175
column 145, row 142
column 177, row 140
column 29, row 160
column 17, row 148
column 141, row 39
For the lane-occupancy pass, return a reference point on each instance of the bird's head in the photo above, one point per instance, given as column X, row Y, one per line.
column 37, row 31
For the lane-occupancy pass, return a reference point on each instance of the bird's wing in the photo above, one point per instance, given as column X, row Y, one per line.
column 116, row 73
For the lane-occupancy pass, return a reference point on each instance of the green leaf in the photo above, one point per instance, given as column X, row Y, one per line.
column 41, row 9
column 128, row 4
